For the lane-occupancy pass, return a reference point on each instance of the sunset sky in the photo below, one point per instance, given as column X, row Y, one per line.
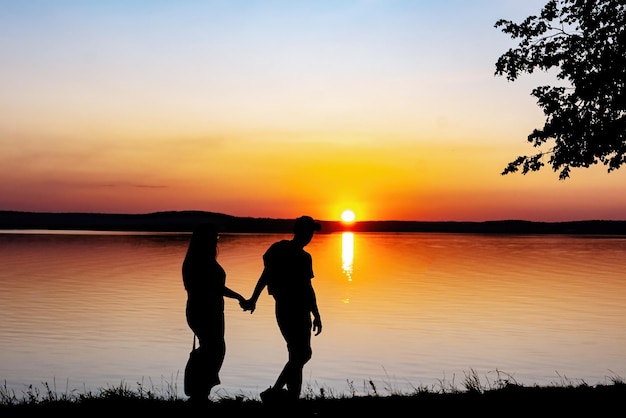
column 276, row 109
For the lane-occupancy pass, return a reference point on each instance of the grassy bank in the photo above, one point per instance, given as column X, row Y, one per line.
column 502, row 398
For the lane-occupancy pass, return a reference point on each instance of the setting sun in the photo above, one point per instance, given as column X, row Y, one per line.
column 347, row 216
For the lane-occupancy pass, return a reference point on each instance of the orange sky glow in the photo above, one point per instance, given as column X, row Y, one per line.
column 388, row 108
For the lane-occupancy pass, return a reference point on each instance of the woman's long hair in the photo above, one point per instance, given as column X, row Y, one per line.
column 203, row 241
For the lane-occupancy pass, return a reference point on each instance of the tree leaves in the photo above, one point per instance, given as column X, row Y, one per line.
column 585, row 41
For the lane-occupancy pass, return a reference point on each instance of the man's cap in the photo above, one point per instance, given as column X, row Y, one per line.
column 306, row 223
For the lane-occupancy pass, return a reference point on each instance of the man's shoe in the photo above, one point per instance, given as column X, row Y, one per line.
column 271, row 395
column 265, row 394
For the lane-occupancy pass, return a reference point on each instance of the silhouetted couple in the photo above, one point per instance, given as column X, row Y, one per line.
column 287, row 273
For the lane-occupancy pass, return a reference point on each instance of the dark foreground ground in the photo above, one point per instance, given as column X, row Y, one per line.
column 513, row 400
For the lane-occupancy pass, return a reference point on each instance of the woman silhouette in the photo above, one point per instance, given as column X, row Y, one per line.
column 205, row 283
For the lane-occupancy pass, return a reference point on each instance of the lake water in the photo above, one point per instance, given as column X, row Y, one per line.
column 85, row 311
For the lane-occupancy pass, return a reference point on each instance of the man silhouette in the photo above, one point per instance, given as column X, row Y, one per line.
column 287, row 273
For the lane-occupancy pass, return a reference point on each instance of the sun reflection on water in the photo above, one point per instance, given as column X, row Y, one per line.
column 347, row 254
column 347, row 257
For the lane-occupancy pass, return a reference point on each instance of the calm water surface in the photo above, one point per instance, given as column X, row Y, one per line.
column 86, row 311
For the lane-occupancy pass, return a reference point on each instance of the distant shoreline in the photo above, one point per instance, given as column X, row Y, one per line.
column 184, row 221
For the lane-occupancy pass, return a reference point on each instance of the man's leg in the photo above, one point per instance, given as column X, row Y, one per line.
column 295, row 326
column 299, row 354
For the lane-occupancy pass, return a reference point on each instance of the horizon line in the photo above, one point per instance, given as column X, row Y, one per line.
column 197, row 211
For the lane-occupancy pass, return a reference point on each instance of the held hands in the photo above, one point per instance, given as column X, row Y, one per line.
column 248, row 305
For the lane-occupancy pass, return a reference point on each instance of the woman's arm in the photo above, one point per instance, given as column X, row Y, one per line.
column 229, row 293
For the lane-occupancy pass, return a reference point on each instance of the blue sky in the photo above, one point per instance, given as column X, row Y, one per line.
column 388, row 107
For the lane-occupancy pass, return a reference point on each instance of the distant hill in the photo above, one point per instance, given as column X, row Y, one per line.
column 184, row 221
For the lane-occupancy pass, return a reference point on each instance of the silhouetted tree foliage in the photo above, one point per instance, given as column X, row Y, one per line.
column 585, row 120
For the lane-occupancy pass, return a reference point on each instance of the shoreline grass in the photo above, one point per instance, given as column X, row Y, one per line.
column 501, row 396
